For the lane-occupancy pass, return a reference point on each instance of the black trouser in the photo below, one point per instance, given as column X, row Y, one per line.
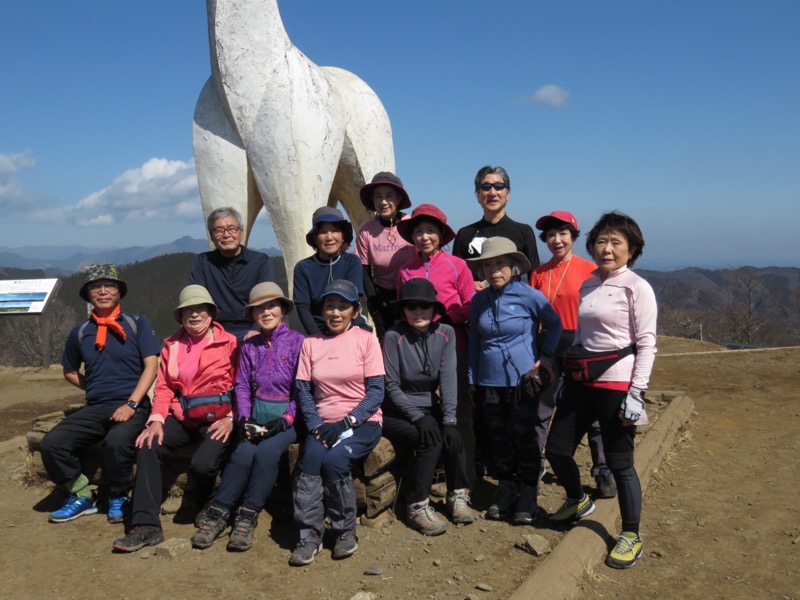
column 404, row 435
column 62, row 445
column 577, row 408
column 203, row 469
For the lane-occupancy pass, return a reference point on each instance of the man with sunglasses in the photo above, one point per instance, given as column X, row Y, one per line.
column 230, row 271
column 493, row 187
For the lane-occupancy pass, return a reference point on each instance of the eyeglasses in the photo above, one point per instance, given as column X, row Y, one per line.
column 416, row 305
column 220, row 231
column 498, row 185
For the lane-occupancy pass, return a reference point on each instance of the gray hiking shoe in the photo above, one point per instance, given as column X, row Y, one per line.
column 304, row 553
column 458, row 506
column 345, row 546
column 423, row 518
column 212, row 527
column 241, row 538
column 504, row 498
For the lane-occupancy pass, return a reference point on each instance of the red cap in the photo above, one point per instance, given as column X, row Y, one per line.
column 427, row 212
column 558, row 215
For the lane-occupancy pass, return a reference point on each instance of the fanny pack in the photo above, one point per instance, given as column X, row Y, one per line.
column 265, row 410
column 198, row 410
column 584, row 365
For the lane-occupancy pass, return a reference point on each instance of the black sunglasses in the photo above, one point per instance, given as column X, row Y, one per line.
column 416, row 305
column 498, row 185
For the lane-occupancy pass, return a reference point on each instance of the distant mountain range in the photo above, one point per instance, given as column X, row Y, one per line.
column 64, row 260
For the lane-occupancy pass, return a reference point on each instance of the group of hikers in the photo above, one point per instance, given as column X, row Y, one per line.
column 479, row 361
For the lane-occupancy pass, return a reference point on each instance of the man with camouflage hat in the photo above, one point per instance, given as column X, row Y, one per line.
column 119, row 355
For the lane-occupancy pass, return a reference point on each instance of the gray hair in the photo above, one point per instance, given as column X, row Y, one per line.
column 490, row 170
column 223, row 212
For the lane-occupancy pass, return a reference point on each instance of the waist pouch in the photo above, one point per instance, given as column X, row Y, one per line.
column 198, row 410
column 583, row 365
column 265, row 410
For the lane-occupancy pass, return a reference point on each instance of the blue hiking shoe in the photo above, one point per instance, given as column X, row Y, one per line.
column 75, row 506
column 119, row 507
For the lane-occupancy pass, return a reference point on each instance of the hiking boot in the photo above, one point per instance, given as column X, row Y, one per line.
column 138, row 537
column 627, row 550
column 119, row 507
column 213, row 526
column 606, row 486
column 423, row 518
column 241, row 538
column 345, row 546
column 526, row 509
column 74, row 507
column 304, row 553
column 458, row 506
column 504, row 499
column 572, row 510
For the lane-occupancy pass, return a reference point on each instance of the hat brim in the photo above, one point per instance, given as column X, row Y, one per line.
column 521, row 260
column 288, row 305
column 194, row 302
column 366, row 195
column 405, row 228
column 347, row 231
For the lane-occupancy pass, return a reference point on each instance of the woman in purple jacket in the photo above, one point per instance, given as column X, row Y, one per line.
column 266, row 409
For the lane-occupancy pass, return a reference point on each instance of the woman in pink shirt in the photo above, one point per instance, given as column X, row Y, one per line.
column 617, row 316
column 381, row 249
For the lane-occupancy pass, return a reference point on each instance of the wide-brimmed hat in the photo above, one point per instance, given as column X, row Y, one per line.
column 265, row 292
column 426, row 212
column 327, row 214
column 500, row 246
column 384, row 178
column 92, row 273
column 557, row 215
column 341, row 287
column 194, row 295
column 418, row 290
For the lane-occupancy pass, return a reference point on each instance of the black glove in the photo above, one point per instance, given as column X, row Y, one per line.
column 240, row 429
column 328, row 433
column 453, row 442
column 274, row 427
column 428, row 429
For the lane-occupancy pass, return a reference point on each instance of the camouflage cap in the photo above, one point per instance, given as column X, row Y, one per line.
column 102, row 271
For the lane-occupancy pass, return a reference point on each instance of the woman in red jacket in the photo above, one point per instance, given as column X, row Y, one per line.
column 192, row 401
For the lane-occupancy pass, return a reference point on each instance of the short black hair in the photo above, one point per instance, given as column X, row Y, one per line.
column 558, row 225
column 623, row 224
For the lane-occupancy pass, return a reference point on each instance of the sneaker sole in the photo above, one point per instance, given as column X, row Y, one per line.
column 524, row 518
column 83, row 513
column 344, row 554
column 574, row 518
column 431, row 532
column 462, row 520
column 238, row 547
column 496, row 516
column 117, row 518
column 153, row 541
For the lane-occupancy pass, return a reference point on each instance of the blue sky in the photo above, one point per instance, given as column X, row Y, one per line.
column 683, row 114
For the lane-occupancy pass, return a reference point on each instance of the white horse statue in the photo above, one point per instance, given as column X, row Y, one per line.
column 272, row 128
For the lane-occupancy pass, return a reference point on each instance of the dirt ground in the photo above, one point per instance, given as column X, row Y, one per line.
column 721, row 517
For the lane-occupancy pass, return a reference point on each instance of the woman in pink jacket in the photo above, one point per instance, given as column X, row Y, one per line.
column 192, row 401
column 428, row 230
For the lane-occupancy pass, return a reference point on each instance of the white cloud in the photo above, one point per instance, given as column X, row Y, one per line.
column 551, row 95
column 13, row 195
column 160, row 190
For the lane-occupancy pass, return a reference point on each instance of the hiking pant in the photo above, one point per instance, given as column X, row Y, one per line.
column 326, row 473
column 579, row 406
column 62, row 445
column 509, row 421
column 405, row 437
column 253, row 471
column 205, row 463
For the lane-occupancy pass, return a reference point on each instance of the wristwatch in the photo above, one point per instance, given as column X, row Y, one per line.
column 353, row 421
column 132, row 404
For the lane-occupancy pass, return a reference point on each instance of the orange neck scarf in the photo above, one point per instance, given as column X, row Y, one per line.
column 104, row 324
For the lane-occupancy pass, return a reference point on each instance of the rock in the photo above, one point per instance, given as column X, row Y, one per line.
column 479, row 558
column 172, row 548
column 484, row 587
column 373, row 570
column 437, row 563
column 364, row 596
column 534, row 544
